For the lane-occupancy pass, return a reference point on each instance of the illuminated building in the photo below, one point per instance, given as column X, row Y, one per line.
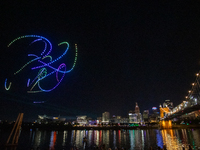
column 138, row 114
column 119, row 119
column 49, row 119
column 124, row 120
column 137, row 109
column 155, row 117
column 99, row 119
column 105, row 117
column 116, row 119
column 169, row 104
column 82, row 120
column 139, row 117
column 155, row 111
column 146, row 116
column 90, row 121
column 135, row 116
column 132, row 117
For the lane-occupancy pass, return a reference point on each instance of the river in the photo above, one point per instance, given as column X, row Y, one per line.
column 173, row 139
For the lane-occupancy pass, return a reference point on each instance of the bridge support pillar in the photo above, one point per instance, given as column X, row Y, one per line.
column 166, row 124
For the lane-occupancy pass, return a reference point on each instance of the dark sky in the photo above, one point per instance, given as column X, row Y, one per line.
column 127, row 52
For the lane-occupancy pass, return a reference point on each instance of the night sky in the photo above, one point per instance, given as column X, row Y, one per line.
column 127, row 53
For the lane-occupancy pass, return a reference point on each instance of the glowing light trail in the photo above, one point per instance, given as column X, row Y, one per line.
column 26, row 65
column 7, row 88
column 42, row 73
column 33, row 36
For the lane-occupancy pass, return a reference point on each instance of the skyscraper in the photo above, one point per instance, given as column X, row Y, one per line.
column 135, row 117
column 137, row 109
column 106, row 117
column 146, row 116
column 132, row 117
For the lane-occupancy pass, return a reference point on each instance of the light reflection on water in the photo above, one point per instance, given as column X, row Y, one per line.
column 129, row 139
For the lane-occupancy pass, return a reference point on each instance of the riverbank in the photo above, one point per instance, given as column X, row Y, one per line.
column 183, row 126
column 136, row 128
column 67, row 127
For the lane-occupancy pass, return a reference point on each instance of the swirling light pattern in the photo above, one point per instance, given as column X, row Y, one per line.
column 43, row 65
column 7, row 88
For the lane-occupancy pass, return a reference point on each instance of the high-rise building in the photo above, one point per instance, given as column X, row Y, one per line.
column 146, row 116
column 155, row 117
column 99, row 119
column 139, row 118
column 155, row 110
column 135, row 117
column 168, row 104
column 132, row 117
column 137, row 109
column 115, row 119
column 137, row 112
column 105, row 117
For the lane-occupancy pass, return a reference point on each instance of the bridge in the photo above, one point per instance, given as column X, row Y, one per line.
column 190, row 104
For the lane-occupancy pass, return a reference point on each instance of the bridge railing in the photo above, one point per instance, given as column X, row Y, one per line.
column 192, row 99
column 184, row 105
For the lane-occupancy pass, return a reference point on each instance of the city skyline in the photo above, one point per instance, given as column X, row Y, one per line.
column 142, row 52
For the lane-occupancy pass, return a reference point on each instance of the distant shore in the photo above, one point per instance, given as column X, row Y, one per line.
column 64, row 127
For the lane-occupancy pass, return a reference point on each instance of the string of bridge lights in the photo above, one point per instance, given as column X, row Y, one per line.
column 193, row 86
column 189, row 96
column 43, row 73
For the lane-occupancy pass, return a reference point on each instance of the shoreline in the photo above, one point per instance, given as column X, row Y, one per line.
column 63, row 127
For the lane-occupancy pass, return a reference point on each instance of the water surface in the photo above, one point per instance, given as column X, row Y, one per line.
column 129, row 139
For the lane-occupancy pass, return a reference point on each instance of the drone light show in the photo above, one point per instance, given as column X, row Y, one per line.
column 43, row 65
